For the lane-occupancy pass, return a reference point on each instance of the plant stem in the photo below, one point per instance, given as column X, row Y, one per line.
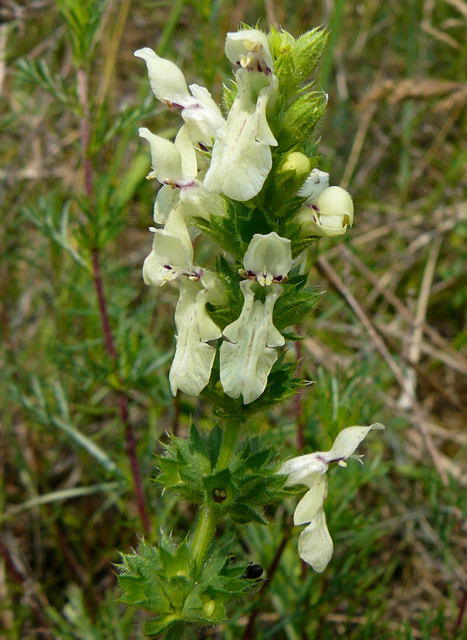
column 231, row 431
column 207, row 516
column 204, row 532
column 109, row 342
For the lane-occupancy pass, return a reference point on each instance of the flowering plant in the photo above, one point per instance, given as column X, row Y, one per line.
column 248, row 179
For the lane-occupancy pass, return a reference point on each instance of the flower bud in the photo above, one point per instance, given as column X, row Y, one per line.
column 297, row 162
column 329, row 215
column 292, row 172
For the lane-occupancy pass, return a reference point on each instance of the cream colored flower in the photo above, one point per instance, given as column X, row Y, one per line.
column 194, row 357
column 174, row 164
column 241, row 155
column 199, row 111
column 268, row 258
column 172, row 252
column 329, row 213
column 249, row 49
column 315, row 544
column 248, row 351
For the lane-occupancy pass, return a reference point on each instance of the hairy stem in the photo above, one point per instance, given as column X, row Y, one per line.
column 109, row 342
column 204, row 532
column 206, row 522
column 231, row 431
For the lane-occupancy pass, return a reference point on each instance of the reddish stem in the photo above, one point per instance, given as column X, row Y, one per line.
column 248, row 633
column 102, row 302
column 130, row 439
column 460, row 615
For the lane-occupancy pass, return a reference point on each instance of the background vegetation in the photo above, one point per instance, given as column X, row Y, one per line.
column 384, row 344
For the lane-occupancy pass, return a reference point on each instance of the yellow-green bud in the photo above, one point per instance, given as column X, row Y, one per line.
column 298, row 162
column 208, row 608
column 290, row 175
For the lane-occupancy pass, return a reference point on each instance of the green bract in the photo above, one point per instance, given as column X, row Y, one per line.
column 166, row 582
column 189, row 467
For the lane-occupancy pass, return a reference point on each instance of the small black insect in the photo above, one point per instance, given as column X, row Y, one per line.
column 253, row 571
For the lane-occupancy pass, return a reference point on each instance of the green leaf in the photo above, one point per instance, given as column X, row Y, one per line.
column 38, row 72
column 214, row 444
column 166, row 623
column 242, row 513
column 294, row 305
column 83, row 18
